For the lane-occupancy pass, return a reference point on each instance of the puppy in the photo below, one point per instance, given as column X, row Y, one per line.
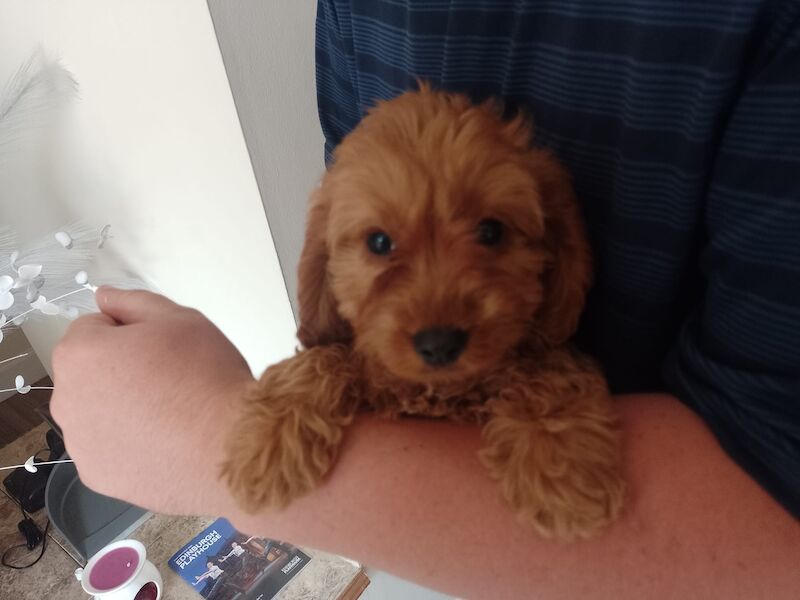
column 445, row 267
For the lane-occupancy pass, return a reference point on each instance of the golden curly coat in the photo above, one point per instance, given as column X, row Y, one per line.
column 425, row 171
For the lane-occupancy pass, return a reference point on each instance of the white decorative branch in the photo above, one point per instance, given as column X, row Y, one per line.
column 18, row 356
column 31, row 466
column 31, row 96
column 49, row 267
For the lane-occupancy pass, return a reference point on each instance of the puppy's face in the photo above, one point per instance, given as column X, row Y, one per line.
column 436, row 236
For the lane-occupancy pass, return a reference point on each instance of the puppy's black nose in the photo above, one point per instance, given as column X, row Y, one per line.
column 440, row 346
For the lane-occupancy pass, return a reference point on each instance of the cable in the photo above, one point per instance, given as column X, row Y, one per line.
column 38, row 558
column 28, row 528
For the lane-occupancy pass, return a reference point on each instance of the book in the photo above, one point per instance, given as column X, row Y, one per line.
column 224, row 564
column 221, row 563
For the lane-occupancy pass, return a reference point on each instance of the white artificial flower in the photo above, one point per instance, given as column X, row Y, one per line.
column 63, row 238
column 70, row 312
column 19, row 383
column 29, row 465
column 2, row 324
column 32, row 293
column 105, row 234
column 46, row 308
column 6, row 297
column 26, row 275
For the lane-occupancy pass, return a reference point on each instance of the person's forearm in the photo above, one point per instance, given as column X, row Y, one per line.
column 410, row 497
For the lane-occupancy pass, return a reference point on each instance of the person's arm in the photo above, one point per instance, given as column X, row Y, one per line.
column 410, row 496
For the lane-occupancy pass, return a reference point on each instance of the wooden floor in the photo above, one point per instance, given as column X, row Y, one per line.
column 18, row 414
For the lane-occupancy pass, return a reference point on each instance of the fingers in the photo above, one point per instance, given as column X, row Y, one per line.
column 86, row 326
column 132, row 306
column 93, row 320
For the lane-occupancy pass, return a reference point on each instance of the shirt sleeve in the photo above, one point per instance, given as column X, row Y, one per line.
column 737, row 357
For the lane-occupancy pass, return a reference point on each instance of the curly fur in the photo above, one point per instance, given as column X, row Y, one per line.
column 426, row 168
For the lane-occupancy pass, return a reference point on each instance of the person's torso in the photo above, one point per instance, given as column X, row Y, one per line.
column 632, row 96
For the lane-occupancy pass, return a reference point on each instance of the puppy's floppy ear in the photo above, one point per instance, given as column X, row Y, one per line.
column 519, row 128
column 320, row 323
column 569, row 274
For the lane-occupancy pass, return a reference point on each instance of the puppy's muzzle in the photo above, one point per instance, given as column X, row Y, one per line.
column 440, row 346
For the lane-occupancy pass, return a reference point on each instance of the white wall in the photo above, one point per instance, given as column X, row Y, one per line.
column 154, row 147
column 268, row 51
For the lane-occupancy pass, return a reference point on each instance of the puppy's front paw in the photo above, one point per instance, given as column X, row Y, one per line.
column 273, row 459
column 286, row 435
column 561, row 476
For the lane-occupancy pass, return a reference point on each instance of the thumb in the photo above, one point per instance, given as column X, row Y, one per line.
column 132, row 306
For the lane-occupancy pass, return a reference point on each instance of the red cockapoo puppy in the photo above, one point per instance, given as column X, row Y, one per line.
column 444, row 269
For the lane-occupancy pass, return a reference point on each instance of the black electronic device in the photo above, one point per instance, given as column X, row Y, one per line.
column 27, row 488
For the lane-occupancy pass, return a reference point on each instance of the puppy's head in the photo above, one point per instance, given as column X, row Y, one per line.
column 439, row 240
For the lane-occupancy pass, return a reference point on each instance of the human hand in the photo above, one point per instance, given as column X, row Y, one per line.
column 143, row 393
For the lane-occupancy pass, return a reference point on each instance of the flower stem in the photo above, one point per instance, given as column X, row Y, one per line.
column 39, row 464
column 13, row 358
column 11, row 322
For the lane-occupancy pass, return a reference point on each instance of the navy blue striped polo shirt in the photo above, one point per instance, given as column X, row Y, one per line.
column 679, row 121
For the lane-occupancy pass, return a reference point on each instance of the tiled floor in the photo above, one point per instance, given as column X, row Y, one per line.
column 53, row 576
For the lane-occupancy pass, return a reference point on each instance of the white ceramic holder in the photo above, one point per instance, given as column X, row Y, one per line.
column 121, row 571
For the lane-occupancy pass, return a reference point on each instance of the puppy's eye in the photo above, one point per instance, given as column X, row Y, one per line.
column 490, row 232
column 379, row 243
